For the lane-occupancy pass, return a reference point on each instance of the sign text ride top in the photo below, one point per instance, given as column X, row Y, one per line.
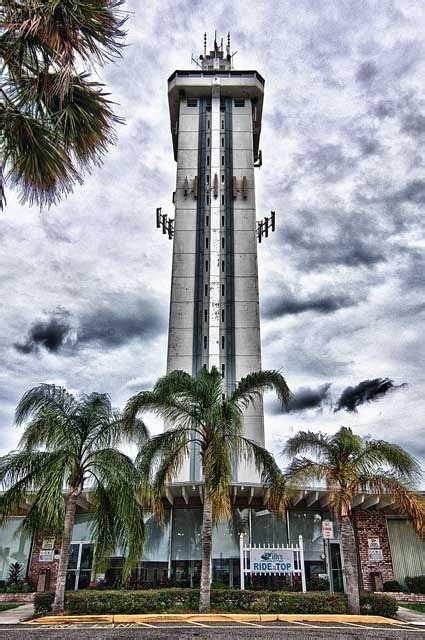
column 271, row 561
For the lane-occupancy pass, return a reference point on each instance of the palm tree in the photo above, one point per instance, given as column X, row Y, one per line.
column 54, row 121
column 70, row 445
column 198, row 413
column 349, row 464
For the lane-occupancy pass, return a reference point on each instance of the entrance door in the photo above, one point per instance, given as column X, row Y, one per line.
column 79, row 566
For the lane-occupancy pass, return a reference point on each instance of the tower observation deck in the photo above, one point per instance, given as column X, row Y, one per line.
column 215, row 114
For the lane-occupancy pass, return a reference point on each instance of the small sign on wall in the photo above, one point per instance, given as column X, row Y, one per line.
column 46, row 555
column 376, row 555
column 48, row 544
column 373, row 543
column 327, row 529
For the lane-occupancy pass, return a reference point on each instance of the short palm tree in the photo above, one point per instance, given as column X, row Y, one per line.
column 70, row 445
column 349, row 464
column 54, row 121
column 197, row 412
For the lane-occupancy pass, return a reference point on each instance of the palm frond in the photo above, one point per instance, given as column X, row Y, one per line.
column 251, row 388
column 317, row 444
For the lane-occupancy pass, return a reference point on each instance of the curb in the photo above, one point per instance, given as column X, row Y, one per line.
column 212, row 617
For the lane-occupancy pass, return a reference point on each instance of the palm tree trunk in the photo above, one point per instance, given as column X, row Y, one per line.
column 71, row 506
column 205, row 591
column 349, row 553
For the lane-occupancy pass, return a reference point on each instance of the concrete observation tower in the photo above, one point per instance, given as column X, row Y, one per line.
column 215, row 114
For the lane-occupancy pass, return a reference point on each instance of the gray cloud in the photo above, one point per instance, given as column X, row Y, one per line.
column 305, row 398
column 367, row 72
column 50, row 334
column 105, row 326
column 290, row 304
column 365, row 391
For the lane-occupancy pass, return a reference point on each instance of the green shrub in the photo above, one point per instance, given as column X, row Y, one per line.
column 392, row 585
column 373, row 604
column 415, row 584
column 43, row 602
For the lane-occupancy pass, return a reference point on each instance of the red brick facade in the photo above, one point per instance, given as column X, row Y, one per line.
column 372, row 523
column 36, row 566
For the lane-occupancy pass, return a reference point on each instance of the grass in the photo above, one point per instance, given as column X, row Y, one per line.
column 4, row 606
column 415, row 606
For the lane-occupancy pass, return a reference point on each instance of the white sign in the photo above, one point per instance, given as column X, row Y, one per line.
column 373, row 543
column 272, row 560
column 376, row 555
column 46, row 555
column 48, row 544
column 327, row 529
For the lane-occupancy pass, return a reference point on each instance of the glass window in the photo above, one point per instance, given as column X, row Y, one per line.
column 308, row 524
column 239, row 103
column 81, row 530
column 186, row 546
column 14, row 547
column 268, row 528
column 192, row 102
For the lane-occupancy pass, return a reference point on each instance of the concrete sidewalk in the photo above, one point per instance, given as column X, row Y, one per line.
column 408, row 615
column 17, row 615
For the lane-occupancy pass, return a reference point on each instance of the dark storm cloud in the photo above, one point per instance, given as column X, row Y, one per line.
column 105, row 326
column 365, row 391
column 413, row 192
column 324, row 237
column 50, row 334
column 366, row 72
column 328, row 161
column 114, row 327
column 305, row 398
column 288, row 304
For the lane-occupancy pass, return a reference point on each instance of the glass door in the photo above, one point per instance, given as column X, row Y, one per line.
column 79, row 566
column 336, row 567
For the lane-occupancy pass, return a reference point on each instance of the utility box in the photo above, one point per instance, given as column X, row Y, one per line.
column 377, row 582
column 43, row 582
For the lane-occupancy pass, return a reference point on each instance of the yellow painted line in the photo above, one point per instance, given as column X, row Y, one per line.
column 146, row 619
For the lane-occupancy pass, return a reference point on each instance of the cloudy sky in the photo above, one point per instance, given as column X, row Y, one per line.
column 85, row 285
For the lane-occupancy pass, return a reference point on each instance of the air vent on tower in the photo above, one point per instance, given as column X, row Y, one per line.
column 244, row 187
column 215, row 185
column 185, row 186
column 234, row 187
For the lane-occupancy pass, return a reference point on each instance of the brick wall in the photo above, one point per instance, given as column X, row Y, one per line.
column 36, row 566
column 372, row 523
column 407, row 597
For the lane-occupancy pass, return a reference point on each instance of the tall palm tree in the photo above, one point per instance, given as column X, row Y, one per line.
column 198, row 413
column 70, row 445
column 54, row 121
column 349, row 464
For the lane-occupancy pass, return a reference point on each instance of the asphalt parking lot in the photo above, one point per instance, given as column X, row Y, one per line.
column 215, row 631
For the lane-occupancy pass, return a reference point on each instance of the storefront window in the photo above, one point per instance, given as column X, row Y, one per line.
column 308, row 524
column 225, row 548
column 186, row 545
column 268, row 528
column 153, row 567
column 14, row 547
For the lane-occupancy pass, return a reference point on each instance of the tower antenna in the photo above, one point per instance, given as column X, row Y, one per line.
column 205, row 44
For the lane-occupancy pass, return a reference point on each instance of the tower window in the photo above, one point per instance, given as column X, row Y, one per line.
column 222, row 142
column 208, row 124
column 207, row 220
column 222, row 221
column 222, row 243
column 191, row 102
column 206, row 265
column 208, row 142
column 208, row 178
column 208, row 198
column 222, row 160
column 205, row 342
column 222, row 342
column 222, row 289
column 222, row 124
column 239, row 103
column 206, row 290
column 222, row 177
column 223, row 370
column 222, row 199
column 206, row 243
column 222, row 315
column 205, row 315
column 208, row 160
column 222, row 265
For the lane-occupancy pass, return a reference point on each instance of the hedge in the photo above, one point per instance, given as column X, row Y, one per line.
column 415, row 584
column 181, row 600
